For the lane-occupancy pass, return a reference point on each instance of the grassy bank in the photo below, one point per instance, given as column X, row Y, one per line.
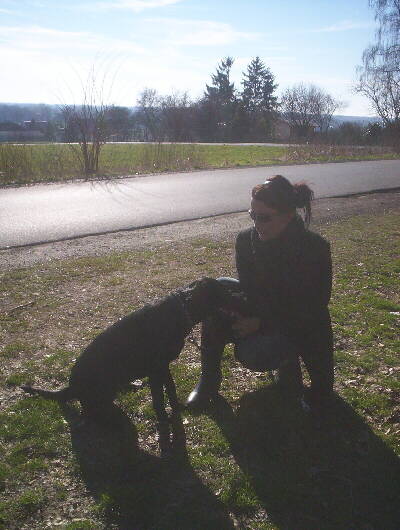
column 23, row 164
column 253, row 462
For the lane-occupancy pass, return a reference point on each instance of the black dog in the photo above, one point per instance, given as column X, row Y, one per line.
column 139, row 345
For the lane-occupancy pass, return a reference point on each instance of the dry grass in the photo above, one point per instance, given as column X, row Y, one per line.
column 25, row 164
column 253, row 462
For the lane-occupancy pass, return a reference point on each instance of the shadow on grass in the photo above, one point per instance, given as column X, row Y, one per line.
column 137, row 490
column 342, row 477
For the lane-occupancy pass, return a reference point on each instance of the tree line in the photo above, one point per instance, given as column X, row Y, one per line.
column 251, row 112
column 225, row 113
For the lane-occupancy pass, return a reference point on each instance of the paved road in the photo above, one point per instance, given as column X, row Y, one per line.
column 53, row 212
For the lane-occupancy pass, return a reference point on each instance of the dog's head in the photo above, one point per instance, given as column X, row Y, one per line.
column 203, row 296
column 209, row 290
column 236, row 304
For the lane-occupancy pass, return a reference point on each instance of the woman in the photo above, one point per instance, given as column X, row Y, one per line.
column 285, row 271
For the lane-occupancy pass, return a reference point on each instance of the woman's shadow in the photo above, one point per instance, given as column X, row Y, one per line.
column 138, row 490
column 340, row 477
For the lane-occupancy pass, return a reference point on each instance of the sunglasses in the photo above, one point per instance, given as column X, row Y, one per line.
column 261, row 217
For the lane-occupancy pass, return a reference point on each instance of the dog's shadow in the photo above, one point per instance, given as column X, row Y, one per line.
column 340, row 477
column 135, row 489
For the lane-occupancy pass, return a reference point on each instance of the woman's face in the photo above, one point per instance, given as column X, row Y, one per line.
column 268, row 222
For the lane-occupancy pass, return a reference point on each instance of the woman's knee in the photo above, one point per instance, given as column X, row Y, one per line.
column 232, row 284
column 263, row 353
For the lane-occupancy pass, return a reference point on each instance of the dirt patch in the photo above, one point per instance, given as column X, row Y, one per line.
column 325, row 211
column 59, row 472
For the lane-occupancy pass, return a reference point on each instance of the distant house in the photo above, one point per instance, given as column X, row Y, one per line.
column 35, row 130
column 10, row 131
column 26, row 131
column 35, row 125
column 281, row 130
column 285, row 131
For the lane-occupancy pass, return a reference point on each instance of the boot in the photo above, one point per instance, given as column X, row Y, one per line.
column 289, row 378
column 205, row 391
column 214, row 337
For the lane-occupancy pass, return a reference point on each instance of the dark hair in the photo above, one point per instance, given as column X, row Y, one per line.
column 278, row 193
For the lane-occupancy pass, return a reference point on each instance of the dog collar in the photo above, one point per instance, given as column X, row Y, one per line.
column 188, row 321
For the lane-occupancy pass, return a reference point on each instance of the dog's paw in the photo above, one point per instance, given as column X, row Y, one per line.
column 177, row 408
column 164, row 438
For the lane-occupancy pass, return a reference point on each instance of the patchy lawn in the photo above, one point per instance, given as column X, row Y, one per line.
column 27, row 164
column 252, row 462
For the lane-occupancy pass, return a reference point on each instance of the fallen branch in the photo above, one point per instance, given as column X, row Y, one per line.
column 22, row 306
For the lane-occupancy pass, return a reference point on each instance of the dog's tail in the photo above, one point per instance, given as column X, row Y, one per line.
column 61, row 396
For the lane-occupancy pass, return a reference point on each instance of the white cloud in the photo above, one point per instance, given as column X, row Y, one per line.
column 131, row 5
column 345, row 25
column 38, row 60
column 42, row 39
column 8, row 11
column 179, row 32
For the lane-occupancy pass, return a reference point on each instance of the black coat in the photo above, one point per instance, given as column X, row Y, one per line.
column 288, row 281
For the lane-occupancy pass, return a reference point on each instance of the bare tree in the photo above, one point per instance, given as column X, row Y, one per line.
column 165, row 117
column 88, row 121
column 120, row 123
column 148, row 114
column 382, row 88
column 306, row 107
column 176, row 111
column 379, row 75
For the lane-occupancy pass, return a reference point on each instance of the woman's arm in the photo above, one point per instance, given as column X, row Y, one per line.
column 309, row 288
column 257, row 314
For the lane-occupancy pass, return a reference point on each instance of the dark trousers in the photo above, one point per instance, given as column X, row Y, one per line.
column 268, row 352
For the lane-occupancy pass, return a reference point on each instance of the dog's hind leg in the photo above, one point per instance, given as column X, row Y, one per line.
column 101, row 411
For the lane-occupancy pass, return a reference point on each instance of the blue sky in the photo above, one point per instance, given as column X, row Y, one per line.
column 48, row 47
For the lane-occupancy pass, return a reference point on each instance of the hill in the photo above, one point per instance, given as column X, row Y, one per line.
column 360, row 120
column 19, row 112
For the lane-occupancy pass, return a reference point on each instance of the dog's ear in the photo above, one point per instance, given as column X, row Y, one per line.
column 209, row 290
column 207, row 280
column 203, row 282
column 192, row 285
column 218, row 294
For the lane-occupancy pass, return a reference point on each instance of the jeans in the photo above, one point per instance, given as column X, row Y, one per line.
column 259, row 352
column 264, row 352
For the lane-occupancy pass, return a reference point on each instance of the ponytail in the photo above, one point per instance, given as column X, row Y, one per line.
column 303, row 196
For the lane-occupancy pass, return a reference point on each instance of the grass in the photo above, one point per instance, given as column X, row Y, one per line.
column 24, row 164
column 252, row 462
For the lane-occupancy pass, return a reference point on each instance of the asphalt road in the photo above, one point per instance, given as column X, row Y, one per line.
column 53, row 212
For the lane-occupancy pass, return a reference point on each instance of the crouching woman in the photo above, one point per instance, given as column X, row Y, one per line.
column 285, row 272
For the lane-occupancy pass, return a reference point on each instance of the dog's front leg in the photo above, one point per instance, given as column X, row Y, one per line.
column 157, row 393
column 156, row 381
column 171, row 390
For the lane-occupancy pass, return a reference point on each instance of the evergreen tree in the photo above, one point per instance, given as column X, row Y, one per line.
column 221, row 97
column 258, row 88
column 258, row 100
column 221, row 90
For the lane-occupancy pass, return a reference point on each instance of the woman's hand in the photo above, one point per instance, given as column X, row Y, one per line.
column 244, row 326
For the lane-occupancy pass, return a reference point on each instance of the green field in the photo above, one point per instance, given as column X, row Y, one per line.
column 24, row 164
column 254, row 461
